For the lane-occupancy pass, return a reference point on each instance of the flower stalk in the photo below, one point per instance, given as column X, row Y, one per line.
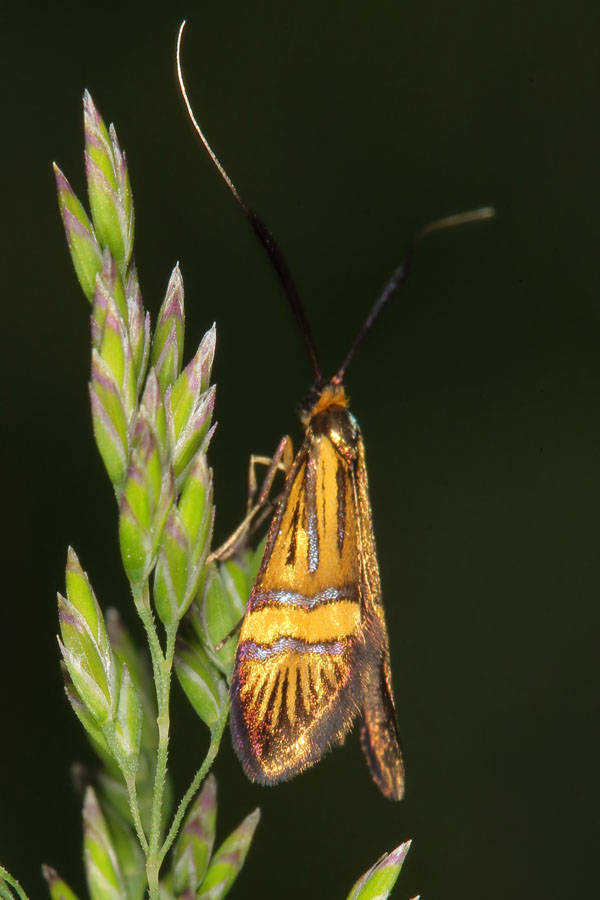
column 152, row 423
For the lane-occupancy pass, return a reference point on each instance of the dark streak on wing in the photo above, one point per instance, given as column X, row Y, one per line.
column 324, row 512
column 291, row 554
column 341, row 507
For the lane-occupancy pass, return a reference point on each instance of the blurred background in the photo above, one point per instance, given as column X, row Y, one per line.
column 347, row 126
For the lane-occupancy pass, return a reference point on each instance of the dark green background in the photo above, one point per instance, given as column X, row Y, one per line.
column 347, row 125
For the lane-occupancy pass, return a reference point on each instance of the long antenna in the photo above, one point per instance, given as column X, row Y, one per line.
column 270, row 245
column 402, row 272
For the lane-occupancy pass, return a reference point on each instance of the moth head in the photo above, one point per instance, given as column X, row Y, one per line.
column 321, row 398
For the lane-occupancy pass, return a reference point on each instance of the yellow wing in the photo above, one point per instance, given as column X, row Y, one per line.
column 296, row 686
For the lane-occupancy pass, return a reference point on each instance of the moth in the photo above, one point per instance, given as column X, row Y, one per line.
column 313, row 653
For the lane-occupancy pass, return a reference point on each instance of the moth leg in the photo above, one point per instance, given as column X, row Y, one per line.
column 281, row 461
column 257, row 510
column 252, row 480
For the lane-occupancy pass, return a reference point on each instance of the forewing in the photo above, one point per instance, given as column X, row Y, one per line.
column 296, row 684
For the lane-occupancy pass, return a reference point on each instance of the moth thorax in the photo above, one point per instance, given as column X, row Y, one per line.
column 331, row 395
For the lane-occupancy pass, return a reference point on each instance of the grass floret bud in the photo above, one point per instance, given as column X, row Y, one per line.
column 197, row 511
column 139, row 328
column 191, row 403
column 81, row 238
column 145, row 502
column 116, row 353
column 184, row 545
column 172, row 570
column 195, row 843
column 137, row 664
column 227, row 862
column 377, row 883
column 59, row 889
column 193, row 382
column 128, row 722
column 104, row 878
column 216, row 616
column 109, row 420
column 85, row 647
column 195, row 436
column 129, row 854
column 108, row 289
column 167, row 345
column 88, row 721
column 204, row 686
column 152, row 408
column 109, row 191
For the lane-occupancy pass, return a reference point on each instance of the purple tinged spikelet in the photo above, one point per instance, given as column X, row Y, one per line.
column 147, row 496
column 144, row 475
column 172, row 570
column 378, row 881
column 109, row 288
column 129, row 655
column 108, row 185
column 139, row 328
column 114, row 347
column 152, row 409
column 206, row 352
column 193, row 438
column 196, row 508
column 151, row 399
column 128, row 722
column 127, row 848
column 85, row 647
column 197, row 514
column 58, row 888
column 203, row 815
column 227, row 862
column 167, row 345
column 109, row 420
column 115, row 351
column 185, row 545
column 145, row 458
column 195, row 843
column 99, row 306
column 165, row 502
column 124, row 190
column 81, row 238
column 167, row 364
column 110, row 337
column 103, row 873
column 215, row 614
column 135, row 542
column 204, row 686
column 102, row 189
column 193, row 382
column 80, row 593
column 81, row 711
